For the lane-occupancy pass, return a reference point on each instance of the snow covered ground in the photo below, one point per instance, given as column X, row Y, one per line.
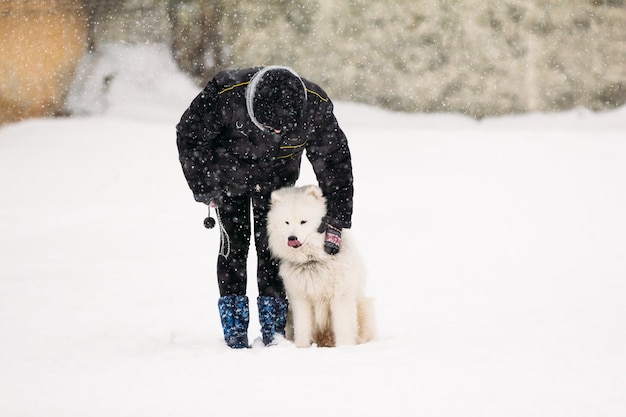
column 496, row 253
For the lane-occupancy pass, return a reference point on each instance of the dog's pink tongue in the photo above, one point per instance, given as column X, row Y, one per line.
column 294, row 243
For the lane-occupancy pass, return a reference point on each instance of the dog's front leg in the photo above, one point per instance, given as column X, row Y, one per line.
column 344, row 321
column 302, row 322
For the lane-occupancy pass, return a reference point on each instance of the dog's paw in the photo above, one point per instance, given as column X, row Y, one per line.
column 302, row 343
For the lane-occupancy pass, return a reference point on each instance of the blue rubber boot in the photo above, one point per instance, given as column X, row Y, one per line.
column 235, row 316
column 272, row 316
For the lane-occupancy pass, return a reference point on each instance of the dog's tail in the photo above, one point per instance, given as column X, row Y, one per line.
column 367, row 320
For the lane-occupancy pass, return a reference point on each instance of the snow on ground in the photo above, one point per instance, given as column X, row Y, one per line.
column 496, row 253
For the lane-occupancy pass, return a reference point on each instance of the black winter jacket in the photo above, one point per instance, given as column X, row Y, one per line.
column 222, row 152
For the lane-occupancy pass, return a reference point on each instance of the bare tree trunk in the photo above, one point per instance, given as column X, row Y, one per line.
column 197, row 41
column 97, row 12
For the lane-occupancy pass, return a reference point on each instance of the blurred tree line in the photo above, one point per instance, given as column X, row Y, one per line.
column 476, row 57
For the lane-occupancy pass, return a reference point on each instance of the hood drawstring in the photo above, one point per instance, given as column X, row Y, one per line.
column 209, row 223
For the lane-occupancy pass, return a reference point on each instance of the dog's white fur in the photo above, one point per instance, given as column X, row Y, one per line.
column 325, row 292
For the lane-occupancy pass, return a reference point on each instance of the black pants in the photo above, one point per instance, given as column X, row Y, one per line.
column 235, row 226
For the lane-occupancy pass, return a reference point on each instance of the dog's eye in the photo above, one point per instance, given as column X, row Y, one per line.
column 303, row 222
column 286, row 222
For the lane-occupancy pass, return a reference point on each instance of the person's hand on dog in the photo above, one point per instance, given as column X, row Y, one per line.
column 332, row 238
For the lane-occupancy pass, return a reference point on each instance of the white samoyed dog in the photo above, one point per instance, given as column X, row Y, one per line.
column 327, row 304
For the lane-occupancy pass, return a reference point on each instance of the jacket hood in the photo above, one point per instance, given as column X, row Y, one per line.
column 276, row 96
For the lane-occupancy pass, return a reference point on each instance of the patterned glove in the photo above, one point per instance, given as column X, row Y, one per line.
column 332, row 238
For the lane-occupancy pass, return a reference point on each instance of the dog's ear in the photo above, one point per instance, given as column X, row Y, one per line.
column 314, row 190
column 275, row 197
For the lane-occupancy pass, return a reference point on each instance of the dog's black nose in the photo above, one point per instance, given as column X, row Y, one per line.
column 293, row 242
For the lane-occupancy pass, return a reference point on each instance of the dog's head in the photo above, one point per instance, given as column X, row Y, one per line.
column 293, row 220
